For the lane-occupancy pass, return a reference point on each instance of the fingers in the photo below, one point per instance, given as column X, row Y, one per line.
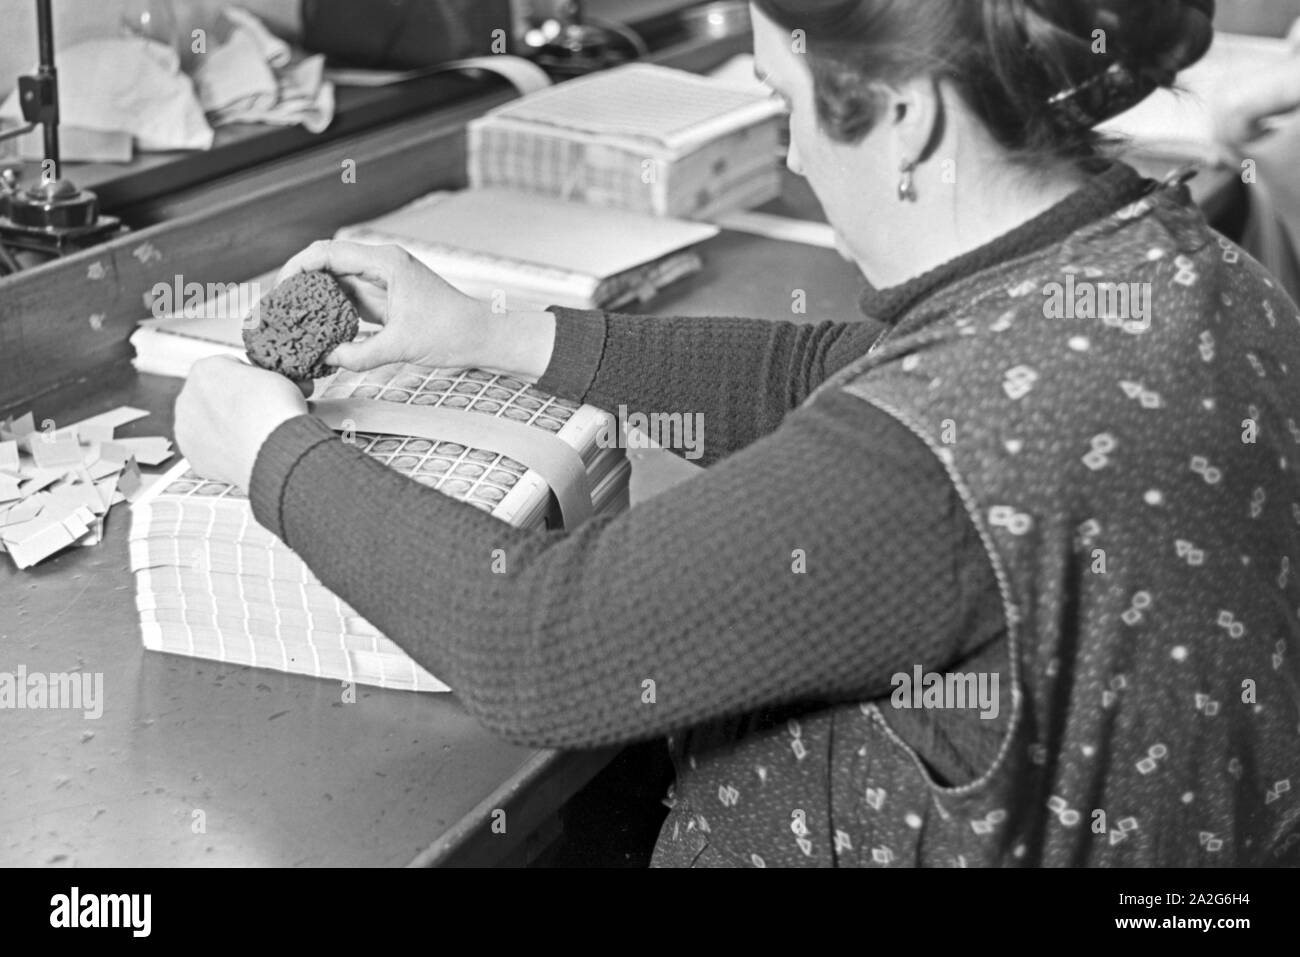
column 215, row 365
column 1242, row 112
column 365, row 354
column 1272, row 93
column 371, row 301
column 372, row 263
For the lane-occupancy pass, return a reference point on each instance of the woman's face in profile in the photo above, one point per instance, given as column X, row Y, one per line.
column 778, row 66
column 848, row 179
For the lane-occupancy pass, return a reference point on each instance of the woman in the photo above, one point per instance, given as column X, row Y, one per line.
column 1078, row 518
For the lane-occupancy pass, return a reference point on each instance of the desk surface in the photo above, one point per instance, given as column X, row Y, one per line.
column 282, row 770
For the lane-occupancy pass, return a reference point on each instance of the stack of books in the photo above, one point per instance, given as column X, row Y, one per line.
column 641, row 138
column 521, row 250
column 212, row 583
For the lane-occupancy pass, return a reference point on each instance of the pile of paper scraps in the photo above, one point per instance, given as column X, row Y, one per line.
column 57, row 485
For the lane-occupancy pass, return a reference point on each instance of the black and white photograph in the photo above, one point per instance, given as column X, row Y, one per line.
column 647, row 434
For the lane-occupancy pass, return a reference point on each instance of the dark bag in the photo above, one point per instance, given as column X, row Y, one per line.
column 403, row 34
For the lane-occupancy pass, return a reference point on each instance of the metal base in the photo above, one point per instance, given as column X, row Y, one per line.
column 57, row 242
column 54, row 218
column 582, row 49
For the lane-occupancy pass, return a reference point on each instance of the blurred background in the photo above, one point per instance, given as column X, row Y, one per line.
column 78, row 20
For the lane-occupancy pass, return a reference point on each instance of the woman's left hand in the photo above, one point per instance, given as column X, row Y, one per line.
column 225, row 412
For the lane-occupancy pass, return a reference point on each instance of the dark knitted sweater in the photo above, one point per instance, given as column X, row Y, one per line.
column 1134, row 591
column 693, row 589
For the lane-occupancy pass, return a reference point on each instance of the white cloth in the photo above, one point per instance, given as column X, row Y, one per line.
column 251, row 79
column 128, row 84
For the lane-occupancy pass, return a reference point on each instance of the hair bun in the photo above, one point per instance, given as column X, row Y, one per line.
column 1039, row 74
column 1142, row 44
column 1158, row 39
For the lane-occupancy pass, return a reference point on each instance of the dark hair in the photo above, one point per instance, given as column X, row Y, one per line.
column 1036, row 72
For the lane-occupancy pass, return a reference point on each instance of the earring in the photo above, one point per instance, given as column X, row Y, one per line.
column 907, row 183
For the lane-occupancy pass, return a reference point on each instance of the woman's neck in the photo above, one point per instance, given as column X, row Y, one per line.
column 955, row 220
column 1109, row 188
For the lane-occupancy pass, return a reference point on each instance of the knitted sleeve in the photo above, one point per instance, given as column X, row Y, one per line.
column 811, row 565
column 742, row 375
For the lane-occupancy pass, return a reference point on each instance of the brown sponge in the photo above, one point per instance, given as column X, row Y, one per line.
column 298, row 323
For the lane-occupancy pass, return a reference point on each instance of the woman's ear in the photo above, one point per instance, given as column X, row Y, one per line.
column 913, row 118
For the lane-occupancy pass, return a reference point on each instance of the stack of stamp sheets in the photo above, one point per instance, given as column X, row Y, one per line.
column 212, row 583
column 640, row 137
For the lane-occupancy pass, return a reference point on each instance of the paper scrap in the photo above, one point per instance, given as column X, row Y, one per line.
column 129, row 483
column 148, row 450
column 57, row 486
column 18, row 532
column 106, row 489
column 54, row 512
column 80, row 494
column 40, row 479
column 19, row 427
column 114, row 452
column 94, row 536
column 24, row 511
column 94, row 432
column 49, row 453
column 102, row 468
column 109, row 421
column 52, row 537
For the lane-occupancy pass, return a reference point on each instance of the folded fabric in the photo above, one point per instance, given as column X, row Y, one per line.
column 128, row 84
column 251, row 78
column 272, row 49
column 235, row 76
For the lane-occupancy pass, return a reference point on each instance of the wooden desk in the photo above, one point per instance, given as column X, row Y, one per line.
column 281, row 769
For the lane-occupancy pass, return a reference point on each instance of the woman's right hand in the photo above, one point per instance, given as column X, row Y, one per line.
column 425, row 320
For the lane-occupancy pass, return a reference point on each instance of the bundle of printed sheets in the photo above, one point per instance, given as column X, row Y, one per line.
column 212, row 583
